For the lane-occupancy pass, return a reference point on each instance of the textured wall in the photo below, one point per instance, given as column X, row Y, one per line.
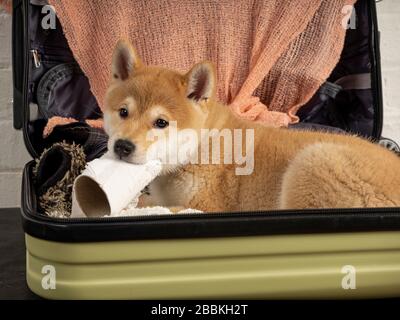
column 388, row 21
column 13, row 154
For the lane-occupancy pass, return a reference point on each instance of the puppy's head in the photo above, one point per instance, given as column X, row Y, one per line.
column 144, row 102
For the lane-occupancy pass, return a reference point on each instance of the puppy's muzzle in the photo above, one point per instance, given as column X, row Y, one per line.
column 123, row 148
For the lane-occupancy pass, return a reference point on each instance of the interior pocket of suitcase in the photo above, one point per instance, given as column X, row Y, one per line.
column 42, row 59
column 48, row 46
column 54, row 96
column 346, row 104
column 350, row 110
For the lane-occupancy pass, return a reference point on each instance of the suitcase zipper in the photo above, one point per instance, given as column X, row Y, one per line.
column 364, row 212
column 25, row 87
column 36, row 58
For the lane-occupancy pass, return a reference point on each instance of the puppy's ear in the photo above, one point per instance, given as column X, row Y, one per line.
column 201, row 81
column 125, row 60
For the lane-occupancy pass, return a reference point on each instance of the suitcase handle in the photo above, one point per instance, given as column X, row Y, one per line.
column 18, row 61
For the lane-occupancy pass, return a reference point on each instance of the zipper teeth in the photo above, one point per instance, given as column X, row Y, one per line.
column 25, row 120
column 364, row 212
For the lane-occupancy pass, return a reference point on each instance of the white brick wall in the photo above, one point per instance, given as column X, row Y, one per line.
column 388, row 21
column 13, row 154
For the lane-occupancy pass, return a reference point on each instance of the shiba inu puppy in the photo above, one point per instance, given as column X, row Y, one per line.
column 288, row 169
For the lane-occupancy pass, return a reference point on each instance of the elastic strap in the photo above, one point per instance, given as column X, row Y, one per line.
column 360, row 81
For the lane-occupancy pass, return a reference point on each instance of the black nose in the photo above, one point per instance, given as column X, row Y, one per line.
column 123, row 148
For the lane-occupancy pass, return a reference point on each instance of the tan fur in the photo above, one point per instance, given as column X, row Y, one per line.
column 292, row 169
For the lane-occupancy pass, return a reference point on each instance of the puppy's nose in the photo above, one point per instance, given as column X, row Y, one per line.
column 123, row 148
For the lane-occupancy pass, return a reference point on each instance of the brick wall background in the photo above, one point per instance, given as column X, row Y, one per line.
column 13, row 154
column 388, row 21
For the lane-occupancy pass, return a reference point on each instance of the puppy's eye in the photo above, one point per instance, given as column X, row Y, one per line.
column 161, row 123
column 123, row 113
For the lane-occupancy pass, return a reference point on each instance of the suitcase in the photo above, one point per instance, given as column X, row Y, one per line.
column 346, row 253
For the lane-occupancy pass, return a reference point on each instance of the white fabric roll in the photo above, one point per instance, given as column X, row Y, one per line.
column 108, row 185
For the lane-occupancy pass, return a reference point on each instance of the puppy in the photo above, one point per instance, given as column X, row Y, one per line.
column 286, row 169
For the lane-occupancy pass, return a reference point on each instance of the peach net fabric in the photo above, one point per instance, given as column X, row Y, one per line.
column 271, row 55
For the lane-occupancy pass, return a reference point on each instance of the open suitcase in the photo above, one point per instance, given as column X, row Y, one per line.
column 282, row 254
